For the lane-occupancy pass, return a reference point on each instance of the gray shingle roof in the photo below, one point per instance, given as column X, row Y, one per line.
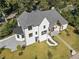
column 36, row 17
column 18, row 30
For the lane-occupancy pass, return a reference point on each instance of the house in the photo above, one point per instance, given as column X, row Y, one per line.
column 37, row 25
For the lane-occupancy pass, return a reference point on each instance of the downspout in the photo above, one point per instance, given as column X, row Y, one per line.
column 38, row 33
column 24, row 37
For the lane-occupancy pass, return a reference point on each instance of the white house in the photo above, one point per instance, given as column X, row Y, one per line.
column 37, row 25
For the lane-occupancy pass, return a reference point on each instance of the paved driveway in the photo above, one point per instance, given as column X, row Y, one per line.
column 75, row 56
column 11, row 43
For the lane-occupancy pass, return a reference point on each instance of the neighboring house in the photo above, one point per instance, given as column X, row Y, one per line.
column 35, row 26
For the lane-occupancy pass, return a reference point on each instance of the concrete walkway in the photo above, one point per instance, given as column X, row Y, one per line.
column 50, row 41
column 73, row 51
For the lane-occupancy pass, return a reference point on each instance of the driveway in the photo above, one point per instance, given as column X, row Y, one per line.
column 10, row 43
column 75, row 56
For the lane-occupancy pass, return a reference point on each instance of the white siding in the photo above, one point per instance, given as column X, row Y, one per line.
column 20, row 37
column 46, row 23
column 56, row 28
column 31, row 40
column 65, row 26
column 38, row 29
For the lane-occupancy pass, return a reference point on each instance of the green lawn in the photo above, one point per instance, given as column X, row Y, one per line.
column 72, row 39
column 40, row 50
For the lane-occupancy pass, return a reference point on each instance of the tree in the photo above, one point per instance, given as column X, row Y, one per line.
column 7, row 28
column 19, row 47
column 2, row 14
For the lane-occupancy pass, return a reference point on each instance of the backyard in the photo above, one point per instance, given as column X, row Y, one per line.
column 39, row 51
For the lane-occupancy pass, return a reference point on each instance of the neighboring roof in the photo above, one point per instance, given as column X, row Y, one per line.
column 36, row 17
column 18, row 30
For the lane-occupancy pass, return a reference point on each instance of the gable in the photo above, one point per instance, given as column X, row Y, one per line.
column 45, row 22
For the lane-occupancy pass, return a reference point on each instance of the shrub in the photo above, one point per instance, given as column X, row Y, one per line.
column 20, row 53
column 7, row 28
column 23, row 47
column 19, row 47
column 49, row 54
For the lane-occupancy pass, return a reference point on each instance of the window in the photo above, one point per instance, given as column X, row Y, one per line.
column 22, row 36
column 36, row 39
column 29, row 27
column 36, row 33
column 17, row 36
column 30, row 35
column 43, row 32
column 44, row 26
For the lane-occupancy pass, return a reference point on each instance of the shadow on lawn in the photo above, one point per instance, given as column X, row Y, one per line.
column 76, row 31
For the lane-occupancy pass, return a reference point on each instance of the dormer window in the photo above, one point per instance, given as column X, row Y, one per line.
column 29, row 27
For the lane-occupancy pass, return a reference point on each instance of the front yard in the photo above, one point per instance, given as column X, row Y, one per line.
column 71, row 38
column 43, row 51
column 39, row 51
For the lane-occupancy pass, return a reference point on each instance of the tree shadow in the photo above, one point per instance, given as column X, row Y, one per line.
column 1, row 49
column 76, row 31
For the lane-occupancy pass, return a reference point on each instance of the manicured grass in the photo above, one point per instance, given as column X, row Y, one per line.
column 72, row 38
column 39, row 50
